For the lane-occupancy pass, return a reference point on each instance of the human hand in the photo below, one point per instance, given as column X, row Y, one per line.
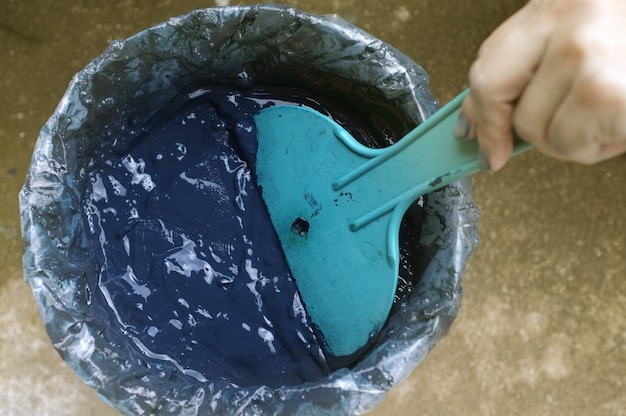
column 555, row 74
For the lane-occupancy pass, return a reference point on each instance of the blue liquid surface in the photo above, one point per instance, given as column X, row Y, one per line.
column 192, row 271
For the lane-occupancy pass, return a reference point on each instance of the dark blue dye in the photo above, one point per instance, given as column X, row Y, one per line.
column 192, row 270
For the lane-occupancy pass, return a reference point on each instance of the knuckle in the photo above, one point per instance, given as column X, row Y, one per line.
column 575, row 148
column 601, row 92
column 479, row 83
column 573, row 49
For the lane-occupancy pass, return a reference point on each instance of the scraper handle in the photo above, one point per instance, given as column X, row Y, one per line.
column 428, row 158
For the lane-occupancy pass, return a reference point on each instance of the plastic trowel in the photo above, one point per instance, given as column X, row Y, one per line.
column 337, row 205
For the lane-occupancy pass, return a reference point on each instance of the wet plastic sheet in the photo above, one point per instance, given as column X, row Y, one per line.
column 126, row 85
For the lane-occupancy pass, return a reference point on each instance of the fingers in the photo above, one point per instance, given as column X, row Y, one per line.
column 573, row 106
column 505, row 65
column 491, row 124
column 554, row 74
column 541, row 98
column 589, row 125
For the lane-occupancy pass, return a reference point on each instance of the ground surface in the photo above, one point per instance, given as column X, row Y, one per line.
column 542, row 329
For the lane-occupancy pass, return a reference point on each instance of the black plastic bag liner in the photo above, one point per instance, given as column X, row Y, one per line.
column 128, row 84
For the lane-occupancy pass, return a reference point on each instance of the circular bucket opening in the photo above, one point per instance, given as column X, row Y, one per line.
column 259, row 50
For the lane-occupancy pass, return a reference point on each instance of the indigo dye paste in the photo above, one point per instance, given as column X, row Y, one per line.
column 192, row 270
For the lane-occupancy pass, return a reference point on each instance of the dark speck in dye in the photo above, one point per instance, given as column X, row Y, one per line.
column 300, row 226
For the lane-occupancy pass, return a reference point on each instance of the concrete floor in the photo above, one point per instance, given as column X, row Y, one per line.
column 543, row 326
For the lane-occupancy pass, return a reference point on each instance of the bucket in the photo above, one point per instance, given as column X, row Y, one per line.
column 242, row 47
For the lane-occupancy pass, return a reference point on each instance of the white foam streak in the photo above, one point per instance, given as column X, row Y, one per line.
column 138, row 289
column 185, row 261
column 242, row 174
column 99, row 191
column 164, row 357
column 118, row 188
column 137, row 169
column 268, row 337
column 253, row 273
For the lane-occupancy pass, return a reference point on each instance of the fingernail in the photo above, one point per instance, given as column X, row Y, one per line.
column 483, row 162
column 462, row 128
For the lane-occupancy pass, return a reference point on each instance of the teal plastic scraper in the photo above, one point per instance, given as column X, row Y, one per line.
column 337, row 206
